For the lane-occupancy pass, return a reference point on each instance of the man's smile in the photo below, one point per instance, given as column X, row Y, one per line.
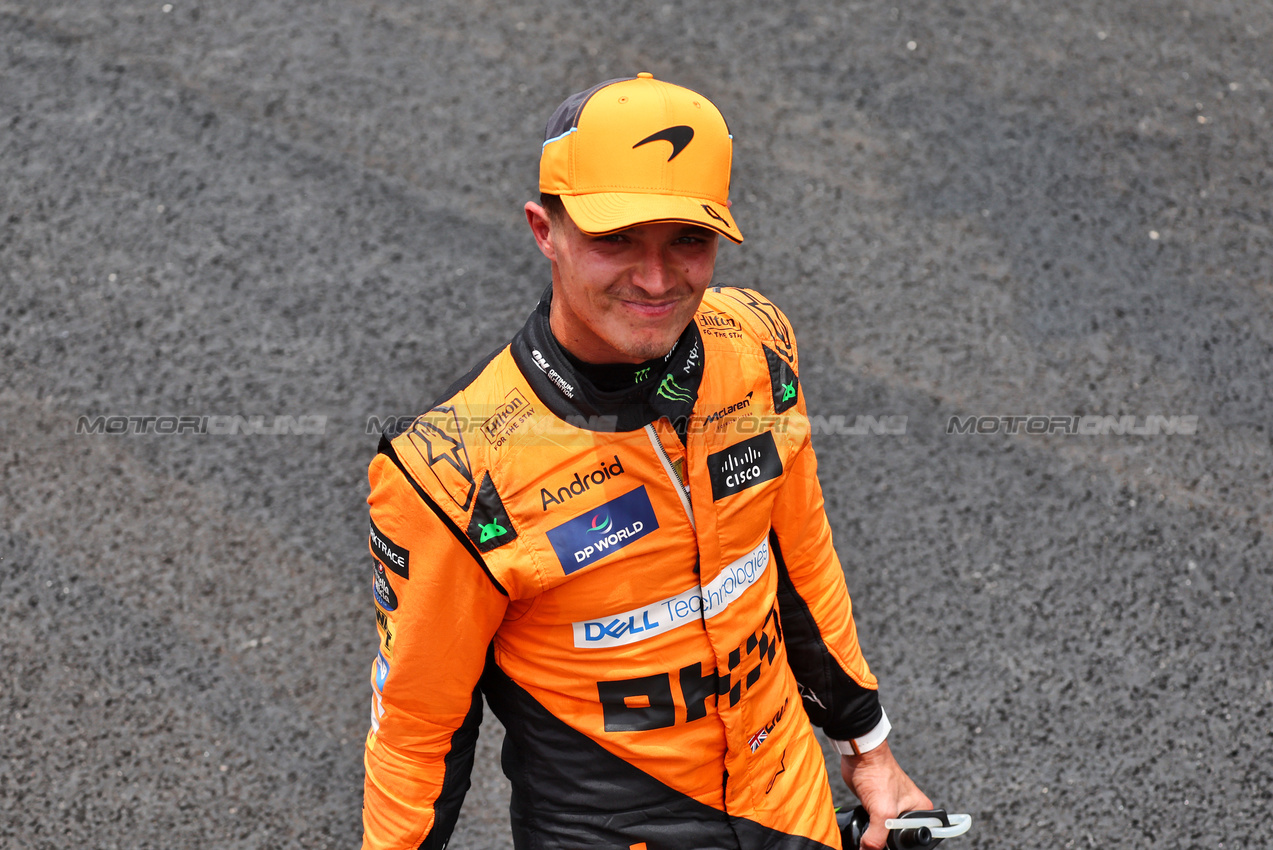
column 650, row 310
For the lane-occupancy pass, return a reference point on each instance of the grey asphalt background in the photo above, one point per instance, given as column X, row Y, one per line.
column 290, row 208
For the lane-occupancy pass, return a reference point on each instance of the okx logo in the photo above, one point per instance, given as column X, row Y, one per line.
column 602, row 531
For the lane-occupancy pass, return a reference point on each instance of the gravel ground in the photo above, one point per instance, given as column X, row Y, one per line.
column 312, row 209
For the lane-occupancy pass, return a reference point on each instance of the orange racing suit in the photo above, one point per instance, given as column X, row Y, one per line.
column 640, row 580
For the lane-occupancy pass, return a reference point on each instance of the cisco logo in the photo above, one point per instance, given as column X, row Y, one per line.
column 744, row 465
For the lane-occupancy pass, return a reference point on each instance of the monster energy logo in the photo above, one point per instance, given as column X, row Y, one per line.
column 670, row 391
column 641, row 375
column 491, row 530
column 788, row 391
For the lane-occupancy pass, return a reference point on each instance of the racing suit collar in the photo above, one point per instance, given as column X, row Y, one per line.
column 668, row 390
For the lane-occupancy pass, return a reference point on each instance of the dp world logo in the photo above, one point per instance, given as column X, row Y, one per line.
column 602, row 531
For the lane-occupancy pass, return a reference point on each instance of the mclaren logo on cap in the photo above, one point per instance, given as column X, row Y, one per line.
column 679, row 136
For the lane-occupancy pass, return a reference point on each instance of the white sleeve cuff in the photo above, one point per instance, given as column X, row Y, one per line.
column 864, row 743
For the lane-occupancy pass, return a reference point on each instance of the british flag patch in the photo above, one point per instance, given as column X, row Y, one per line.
column 759, row 738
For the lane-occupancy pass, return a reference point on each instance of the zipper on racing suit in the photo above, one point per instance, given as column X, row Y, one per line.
column 682, row 491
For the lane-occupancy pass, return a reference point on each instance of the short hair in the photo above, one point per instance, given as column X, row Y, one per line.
column 553, row 206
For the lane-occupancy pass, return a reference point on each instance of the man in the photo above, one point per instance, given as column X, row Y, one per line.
column 613, row 529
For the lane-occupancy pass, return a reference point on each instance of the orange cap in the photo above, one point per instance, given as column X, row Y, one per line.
column 638, row 150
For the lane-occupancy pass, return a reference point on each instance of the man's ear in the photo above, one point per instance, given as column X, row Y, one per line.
column 541, row 227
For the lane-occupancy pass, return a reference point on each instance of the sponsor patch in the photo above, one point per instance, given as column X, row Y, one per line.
column 759, row 737
column 559, row 380
column 771, row 318
column 719, row 324
column 783, row 380
column 810, row 695
column 581, row 483
column 439, row 440
column 742, row 465
column 385, row 628
column 604, row 530
column 381, row 590
column 697, row 603
column 489, row 527
column 691, row 359
column 389, row 553
column 737, row 407
column 380, row 673
column 507, row 419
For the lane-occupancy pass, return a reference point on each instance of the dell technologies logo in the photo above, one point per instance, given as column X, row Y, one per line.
column 695, row 604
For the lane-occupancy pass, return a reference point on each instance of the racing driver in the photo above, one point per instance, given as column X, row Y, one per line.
column 613, row 530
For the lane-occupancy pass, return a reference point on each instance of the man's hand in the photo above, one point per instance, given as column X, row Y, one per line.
column 884, row 789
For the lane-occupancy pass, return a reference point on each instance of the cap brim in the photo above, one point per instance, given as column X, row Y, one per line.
column 606, row 212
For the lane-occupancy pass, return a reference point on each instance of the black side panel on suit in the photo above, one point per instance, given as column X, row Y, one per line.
column 570, row 792
column 843, row 708
column 455, row 779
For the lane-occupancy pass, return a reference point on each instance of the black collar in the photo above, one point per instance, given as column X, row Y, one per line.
column 669, row 389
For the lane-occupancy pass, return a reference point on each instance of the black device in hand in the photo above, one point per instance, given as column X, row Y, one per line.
column 926, row 829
